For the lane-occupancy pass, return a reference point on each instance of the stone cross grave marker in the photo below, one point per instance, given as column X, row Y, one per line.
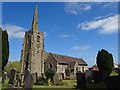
column 12, row 76
column 4, row 77
column 28, row 80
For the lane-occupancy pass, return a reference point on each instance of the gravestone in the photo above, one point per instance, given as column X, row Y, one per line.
column 113, row 82
column 22, row 77
column 12, row 76
column 97, row 76
column 57, row 79
column 18, row 79
column 4, row 77
column 81, row 82
column 29, row 81
column 88, row 75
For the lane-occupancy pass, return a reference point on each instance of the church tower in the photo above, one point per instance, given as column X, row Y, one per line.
column 32, row 54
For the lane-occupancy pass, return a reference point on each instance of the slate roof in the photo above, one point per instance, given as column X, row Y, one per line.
column 71, row 65
column 67, row 59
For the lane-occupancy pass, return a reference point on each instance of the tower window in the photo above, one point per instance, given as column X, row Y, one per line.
column 38, row 38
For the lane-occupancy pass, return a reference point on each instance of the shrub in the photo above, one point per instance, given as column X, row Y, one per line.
column 105, row 61
column 41, row 81
column 50, row 74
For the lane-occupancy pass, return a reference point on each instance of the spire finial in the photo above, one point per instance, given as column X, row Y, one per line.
column 35, row 19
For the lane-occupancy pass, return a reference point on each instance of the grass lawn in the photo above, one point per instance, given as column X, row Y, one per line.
column 5, row 84
column 114, row 73
column 72, row 85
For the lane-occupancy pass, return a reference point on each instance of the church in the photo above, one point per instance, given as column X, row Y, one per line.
column 37, row 60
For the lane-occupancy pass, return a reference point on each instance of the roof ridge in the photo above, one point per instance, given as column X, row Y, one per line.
column 67, row 56
column 53, row 56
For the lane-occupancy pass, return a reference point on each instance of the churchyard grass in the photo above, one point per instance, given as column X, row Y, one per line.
column 72, row 82
column 5, row 84
column 73, row 85
column 114, row 73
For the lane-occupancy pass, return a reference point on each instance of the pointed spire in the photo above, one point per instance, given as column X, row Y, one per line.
column 35, row 19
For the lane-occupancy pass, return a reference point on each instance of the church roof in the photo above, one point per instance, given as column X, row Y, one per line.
column 71, row 65
column 62, row 59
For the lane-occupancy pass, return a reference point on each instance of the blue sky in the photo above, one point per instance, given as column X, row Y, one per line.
column 73, row 29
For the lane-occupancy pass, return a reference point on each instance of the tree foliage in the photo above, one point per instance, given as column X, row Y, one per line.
column 5, row 48
column 105, row 61
column 11, row 65
column 50, row 73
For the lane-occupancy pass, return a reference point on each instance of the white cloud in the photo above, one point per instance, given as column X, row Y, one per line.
column 105, row 25
column 66, row 36
column 111, row 4
column 76, row 7
column 45, row 34
column 82, row 47
column 14, row 31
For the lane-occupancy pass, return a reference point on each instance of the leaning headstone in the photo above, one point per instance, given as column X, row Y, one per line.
column 4, row 77
column 28, row 81
column 81, row 82
column 12, row 76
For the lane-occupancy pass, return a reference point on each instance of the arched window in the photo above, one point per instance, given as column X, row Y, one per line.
column 51, row 65
column 38, row 38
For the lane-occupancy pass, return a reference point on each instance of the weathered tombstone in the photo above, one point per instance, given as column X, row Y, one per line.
column 4, row 76
column 97, row 76
column 22, row 77
column 57, row 79
column 81, row 82
column 113, row 82
column 28, row 81
column 12, row 76
column 11, row 83
column 18, row 79
column 88, row 75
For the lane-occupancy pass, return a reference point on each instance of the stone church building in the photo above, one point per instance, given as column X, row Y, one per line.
column 37, row 60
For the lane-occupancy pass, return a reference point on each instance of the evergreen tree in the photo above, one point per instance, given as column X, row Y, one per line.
column 50, row 73
column 105, row 61
column 5, row 48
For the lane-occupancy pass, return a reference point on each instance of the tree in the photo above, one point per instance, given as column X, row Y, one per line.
column 11, row 65
column 105, row 61
column 5, row 48
column 50, row 73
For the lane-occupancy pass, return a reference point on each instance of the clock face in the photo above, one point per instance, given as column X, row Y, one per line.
column 38, row 45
